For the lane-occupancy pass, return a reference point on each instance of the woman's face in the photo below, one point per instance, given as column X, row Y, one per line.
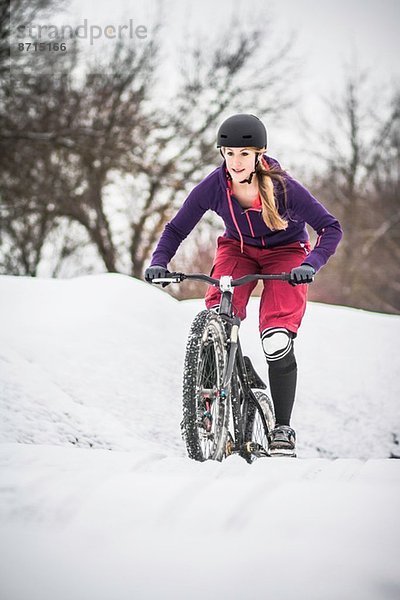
column 239, row 162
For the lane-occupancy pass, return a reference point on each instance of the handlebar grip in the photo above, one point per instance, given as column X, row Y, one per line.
column 170, row 278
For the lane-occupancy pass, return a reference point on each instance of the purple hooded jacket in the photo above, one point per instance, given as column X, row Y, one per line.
column 247, row 225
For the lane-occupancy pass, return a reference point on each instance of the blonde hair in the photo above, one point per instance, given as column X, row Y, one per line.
column 269, row 205
column 266, row 175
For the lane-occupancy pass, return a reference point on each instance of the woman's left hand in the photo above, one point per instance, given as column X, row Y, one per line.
column 303, row 274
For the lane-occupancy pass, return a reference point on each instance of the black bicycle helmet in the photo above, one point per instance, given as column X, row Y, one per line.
column 242, row 130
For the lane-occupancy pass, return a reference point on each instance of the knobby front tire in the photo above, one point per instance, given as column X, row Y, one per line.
column 205, row 412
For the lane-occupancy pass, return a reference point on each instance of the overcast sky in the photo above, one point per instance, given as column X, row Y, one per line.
column 328, row 31
column 328, row 34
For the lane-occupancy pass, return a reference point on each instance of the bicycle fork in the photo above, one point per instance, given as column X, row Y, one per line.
column 233, row 346
column 227, row 382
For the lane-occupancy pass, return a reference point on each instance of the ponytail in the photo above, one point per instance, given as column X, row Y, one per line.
column 266, row 175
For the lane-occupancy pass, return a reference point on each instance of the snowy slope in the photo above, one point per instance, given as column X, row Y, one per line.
column 94, row 364
column 97, row 361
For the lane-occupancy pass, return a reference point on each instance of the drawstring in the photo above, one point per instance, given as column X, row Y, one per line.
column 249, row 222
column 228, row 194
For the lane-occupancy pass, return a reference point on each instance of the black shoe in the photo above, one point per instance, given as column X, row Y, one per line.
column 282, row 441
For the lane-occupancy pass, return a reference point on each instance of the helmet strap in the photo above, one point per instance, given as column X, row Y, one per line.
column 250, row 177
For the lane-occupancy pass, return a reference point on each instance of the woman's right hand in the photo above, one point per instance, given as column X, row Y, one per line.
column 156, row 272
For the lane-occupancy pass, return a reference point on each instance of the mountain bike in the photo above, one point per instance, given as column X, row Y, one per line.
column 226, row 409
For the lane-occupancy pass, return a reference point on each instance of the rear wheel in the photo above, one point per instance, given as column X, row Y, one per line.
column 260, row 422
column 205, row 409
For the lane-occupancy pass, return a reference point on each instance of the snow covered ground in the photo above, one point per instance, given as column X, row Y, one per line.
column 97, row 497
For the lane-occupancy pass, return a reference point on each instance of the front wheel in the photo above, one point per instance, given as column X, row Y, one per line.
column 205, row 407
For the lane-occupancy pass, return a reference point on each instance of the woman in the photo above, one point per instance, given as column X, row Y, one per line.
column 265, row 212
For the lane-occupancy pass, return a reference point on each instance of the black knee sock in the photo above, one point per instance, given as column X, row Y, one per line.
column 282, row 379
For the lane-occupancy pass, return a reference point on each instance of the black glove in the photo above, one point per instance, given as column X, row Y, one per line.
column 303, row 274
column 156, row 272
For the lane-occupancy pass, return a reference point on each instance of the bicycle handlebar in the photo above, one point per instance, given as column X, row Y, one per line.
column 179, row 277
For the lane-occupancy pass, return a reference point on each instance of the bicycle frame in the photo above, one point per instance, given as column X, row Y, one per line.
column 239, row 387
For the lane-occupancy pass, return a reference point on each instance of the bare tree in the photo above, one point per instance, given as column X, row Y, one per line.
column 67, row 146
column 61, row 140
column 361, row 186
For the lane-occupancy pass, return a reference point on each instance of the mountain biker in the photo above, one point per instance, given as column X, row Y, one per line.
column 265, row 212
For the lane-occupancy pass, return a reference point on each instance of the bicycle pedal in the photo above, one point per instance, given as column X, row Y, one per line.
column 253, row 447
